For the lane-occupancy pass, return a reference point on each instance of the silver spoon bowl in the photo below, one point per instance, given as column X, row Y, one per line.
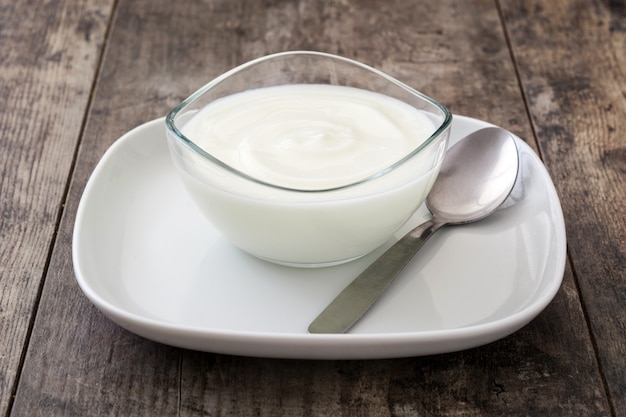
column 476, row 177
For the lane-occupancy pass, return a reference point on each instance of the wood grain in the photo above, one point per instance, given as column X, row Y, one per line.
column 80, row 364
column 578, row 104
column 49, row 58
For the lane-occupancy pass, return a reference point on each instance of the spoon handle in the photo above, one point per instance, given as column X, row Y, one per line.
column 348, row 307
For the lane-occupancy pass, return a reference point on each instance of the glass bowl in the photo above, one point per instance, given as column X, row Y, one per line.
column 355, row 151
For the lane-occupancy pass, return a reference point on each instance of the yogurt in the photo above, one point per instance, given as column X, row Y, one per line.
column 309, row 137
column 308, row 175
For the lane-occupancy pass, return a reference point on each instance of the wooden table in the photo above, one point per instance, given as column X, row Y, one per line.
column 76, row 74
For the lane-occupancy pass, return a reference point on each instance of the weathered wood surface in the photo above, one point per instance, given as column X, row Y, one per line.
column 552, row 72
column 577, row 102
column 49, row 56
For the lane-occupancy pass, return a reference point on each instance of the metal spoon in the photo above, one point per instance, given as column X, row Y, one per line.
column 476, row 177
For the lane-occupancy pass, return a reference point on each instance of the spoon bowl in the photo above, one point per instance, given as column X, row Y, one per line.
column 467, row 192
column 477, row 175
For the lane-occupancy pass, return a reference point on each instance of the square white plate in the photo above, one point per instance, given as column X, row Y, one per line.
column 147, row 258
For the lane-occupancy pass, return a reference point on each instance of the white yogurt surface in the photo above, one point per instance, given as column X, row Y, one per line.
column 309, row 136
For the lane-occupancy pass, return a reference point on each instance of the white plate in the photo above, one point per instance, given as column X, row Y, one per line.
column 148, row 260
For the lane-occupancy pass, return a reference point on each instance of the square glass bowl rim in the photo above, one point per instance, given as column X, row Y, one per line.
column 174, row 131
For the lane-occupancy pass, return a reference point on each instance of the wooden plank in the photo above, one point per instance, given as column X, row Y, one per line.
column 49, row 55
column 578, row 103
column 159, row 52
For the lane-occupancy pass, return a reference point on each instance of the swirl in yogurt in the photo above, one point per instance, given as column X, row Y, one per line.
column 309, row 136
